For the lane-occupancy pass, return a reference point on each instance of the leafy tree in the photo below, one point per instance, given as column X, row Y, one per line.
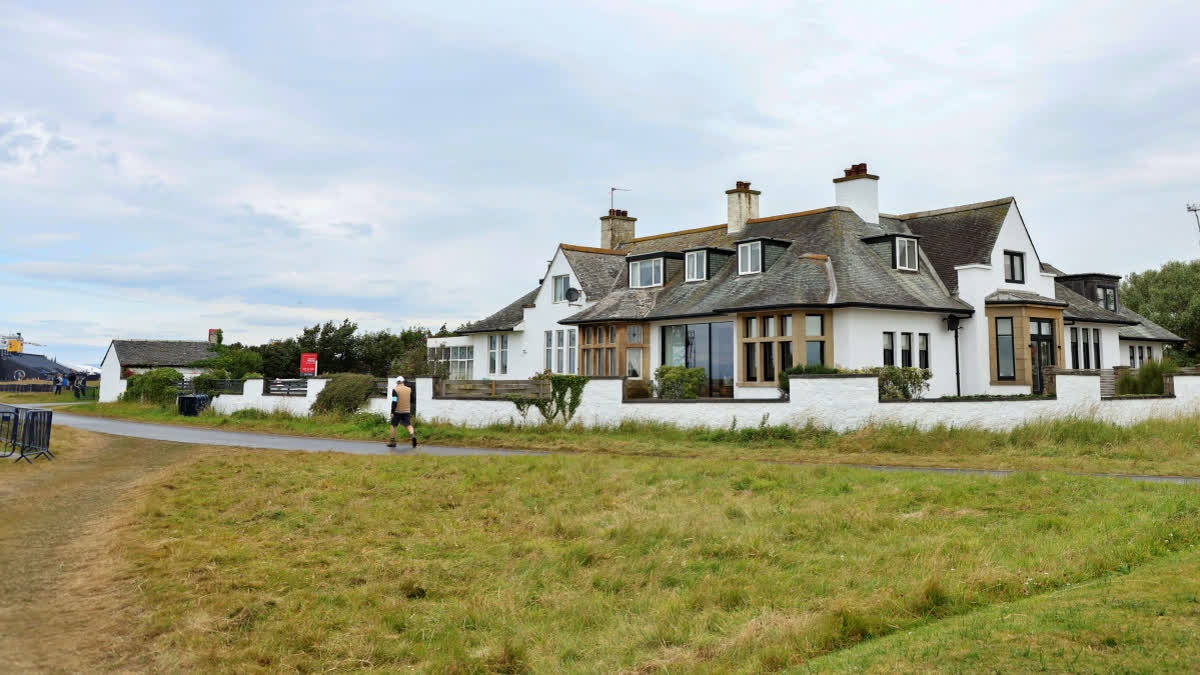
column 378, row 350
column 1170, row 297
column 234, row 362
column 154, row 386
column 280, row 359
column 337, row 347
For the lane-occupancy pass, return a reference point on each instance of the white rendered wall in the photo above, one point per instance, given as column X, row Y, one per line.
column 1110, row 346
column 840, row 403
column 861, row 195
column 111, row 384
column 858, row 342
column 252, row 398
column 1123, row 359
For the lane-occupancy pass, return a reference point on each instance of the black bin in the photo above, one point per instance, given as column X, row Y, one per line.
column 189, row 406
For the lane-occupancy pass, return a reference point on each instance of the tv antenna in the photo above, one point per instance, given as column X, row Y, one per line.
column 1194, row 209
column 613, row 190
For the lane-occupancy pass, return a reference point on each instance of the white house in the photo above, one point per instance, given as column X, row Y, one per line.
column 132, row 357
column 961, row 291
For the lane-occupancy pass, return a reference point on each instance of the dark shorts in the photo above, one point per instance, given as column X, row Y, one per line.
column 401, row 419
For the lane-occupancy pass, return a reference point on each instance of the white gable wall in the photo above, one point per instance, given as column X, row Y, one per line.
column 111, row 384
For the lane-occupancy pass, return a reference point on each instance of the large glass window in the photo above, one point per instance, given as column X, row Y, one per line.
column 703, row 345
column 1014, row 267
column 889, row 348
column 462, row 360
column 645, row 273
column 750, row 258
column 1005, row 358
column 696, row 264
column 561, row 283
column 906, row 254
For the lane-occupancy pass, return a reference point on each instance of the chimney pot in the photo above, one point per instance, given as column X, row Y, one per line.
column 616, row 228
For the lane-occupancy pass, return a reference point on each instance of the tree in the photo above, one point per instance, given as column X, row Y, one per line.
column 337, row 347
column 280, row 359
column 236, row 361
column 378, row 350
column 1170, row 297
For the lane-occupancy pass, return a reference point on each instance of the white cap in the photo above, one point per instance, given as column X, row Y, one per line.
column 400, row 380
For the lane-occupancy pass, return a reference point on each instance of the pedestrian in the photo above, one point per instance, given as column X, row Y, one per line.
column 402, row 412
column 58, row 381
column 81, row 386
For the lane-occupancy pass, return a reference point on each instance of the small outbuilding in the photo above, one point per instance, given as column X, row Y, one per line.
column 131, row 357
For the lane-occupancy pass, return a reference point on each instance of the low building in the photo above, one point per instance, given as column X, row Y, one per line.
column 131, row 357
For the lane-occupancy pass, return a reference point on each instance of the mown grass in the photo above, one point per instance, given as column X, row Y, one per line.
column 20, row 398
column 1158, row 447
column 1146, row 621
column 291, row 561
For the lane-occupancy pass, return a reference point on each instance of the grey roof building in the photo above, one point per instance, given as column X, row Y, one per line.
column 160, row 353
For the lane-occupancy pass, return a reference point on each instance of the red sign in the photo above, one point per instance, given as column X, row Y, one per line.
column 308, row 364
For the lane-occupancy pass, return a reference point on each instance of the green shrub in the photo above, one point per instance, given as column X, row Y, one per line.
column 678, row 381
column 897, row 383
column 1146, row 380
column 205, row 383
column 160, row 386
column 252, row 376
column 816, row 369
column 344, row 393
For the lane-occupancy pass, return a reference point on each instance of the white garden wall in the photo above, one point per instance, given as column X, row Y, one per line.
column 252, row 398
column 841, row 403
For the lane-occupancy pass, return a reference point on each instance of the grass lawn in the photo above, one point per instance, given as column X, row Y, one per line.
column 292, row 561
column 36, row 397
column 1146, row 621
column 1159, row 447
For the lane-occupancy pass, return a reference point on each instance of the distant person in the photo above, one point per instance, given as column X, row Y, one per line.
column 402, row 412
column 81, row 386
column 58, row 383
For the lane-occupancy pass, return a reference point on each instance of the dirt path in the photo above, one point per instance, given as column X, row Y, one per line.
column 64, row 605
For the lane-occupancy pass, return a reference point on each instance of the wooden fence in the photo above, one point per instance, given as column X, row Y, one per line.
column 492, row 388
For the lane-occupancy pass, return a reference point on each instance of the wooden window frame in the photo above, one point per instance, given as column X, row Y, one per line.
column 798, row 339
column 613, row 336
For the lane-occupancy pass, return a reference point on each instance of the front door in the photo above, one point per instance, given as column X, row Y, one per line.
column 1041, row 347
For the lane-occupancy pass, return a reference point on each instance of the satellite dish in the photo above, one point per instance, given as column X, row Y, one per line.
column 573, row 294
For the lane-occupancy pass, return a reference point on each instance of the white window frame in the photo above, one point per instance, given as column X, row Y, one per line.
column 550, row 350
column 503, row 354
column 560, row 351
column 572, row 350
column 696, row 266
column 560, row 294
column 906, row 254
column 492, row 355
column 656, row 275
column 750, row 258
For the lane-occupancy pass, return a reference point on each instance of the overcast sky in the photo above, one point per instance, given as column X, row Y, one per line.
column 257, row 167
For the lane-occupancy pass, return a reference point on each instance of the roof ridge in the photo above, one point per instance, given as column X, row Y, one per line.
column 675, row 233
column 782, row 216
column 156, row 340
column 949, row 209
column 591, row 249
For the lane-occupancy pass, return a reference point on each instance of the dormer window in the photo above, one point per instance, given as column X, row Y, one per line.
column 1014, row 267
column 696, row 266
column 646, row 273
column 906, row 254
column 750, row 257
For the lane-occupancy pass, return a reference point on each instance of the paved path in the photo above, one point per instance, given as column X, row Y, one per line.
column 203, row 436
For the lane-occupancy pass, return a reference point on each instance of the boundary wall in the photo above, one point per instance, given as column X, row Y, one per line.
column 840, row 402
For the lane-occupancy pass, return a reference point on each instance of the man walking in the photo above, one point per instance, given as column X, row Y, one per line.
column 402, row 412
column 58, row 383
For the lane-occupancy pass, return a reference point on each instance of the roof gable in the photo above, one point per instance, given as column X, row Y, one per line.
column 503, row 320
column 961, row 235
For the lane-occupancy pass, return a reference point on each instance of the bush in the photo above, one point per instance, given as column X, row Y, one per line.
column 897, row 383
column 156, row 386
column 816, row 369
column 678, row 381
column 252, row 376
column 205, row 383
column 1146, row 380
column 344, row 393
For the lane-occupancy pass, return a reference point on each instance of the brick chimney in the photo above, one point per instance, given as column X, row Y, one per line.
column 616, row 228
column 859, row 191
column 213, row 335
column 743, row 205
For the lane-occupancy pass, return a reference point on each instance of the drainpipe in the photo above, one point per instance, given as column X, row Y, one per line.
column 952, row 324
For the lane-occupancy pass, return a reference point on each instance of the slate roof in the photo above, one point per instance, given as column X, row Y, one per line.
column 1005, row 296
column 1080, row 308
column 826, row 263
column 596, row 269
column 1145, row 329
column 1051, row 269
column 161, row 353
column 505, row 319
column 960, row 235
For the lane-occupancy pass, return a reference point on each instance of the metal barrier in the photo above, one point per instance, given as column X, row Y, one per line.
column 27, row 388
column 285, row 387
column 25, row 432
